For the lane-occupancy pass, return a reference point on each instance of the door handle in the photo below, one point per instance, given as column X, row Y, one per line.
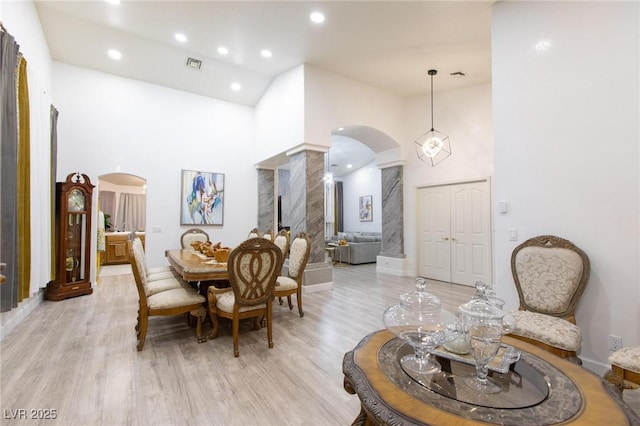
column 454, row 239
column 445, row 238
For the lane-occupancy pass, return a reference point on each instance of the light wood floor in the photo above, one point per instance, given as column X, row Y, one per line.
column 78, row 356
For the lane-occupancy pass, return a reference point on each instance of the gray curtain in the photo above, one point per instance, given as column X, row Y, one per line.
column 54, row 172
column 339, row 208
column 108, row 204
column 9, row 50
column 132, row 210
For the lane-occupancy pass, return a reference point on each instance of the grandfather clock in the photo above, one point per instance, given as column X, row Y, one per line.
column 73, row 238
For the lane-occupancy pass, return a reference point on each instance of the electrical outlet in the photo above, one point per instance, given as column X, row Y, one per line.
column 615, row 343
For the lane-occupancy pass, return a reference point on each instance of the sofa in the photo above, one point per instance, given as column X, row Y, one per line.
column 364, row 247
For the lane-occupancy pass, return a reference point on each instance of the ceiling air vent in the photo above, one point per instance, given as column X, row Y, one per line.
column 194, row 63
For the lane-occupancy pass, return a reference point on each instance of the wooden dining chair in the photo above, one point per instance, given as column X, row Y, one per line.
column 268, row 234
column 166, row 297
column 253, row 267
column 153, row 274
column 292, row 283
column 282, row 240
column 193, row 235
column 254, row 233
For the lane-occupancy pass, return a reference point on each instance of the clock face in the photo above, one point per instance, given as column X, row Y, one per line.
column 76, row 201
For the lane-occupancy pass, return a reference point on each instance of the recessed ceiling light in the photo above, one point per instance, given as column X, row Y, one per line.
column 349, row 166
column 542, row 46
column 181, row 37
column 236, row 87
column 113, row 1
column 266, row 53
column 317, row 17
column 223, row 50
column 114, row 54
column 340, row 129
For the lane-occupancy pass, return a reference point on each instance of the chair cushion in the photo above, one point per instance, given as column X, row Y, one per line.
column 553, row 331
column 548, row 277
column 174, row 299
column 160, row 285
column 627, row 358
column 155, row 276
column 159, row 269
column 226, row 300
column 286, row 283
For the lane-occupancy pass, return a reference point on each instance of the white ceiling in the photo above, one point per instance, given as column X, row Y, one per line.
column 389, row 45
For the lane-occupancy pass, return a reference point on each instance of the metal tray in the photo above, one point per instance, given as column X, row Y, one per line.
column 506, row 356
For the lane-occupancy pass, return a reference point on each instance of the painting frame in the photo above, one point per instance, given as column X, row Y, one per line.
column 365, row 208
column 201, row 198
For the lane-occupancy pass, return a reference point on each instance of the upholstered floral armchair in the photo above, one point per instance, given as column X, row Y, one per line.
column 625, row 368
column 550, row 274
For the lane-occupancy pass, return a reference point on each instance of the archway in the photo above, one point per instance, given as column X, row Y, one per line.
column 122, row 201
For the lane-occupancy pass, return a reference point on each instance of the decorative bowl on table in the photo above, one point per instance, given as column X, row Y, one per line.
column 197, row 245
column 221, row 254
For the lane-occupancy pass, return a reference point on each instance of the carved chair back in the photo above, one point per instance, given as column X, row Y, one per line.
column 550, row 274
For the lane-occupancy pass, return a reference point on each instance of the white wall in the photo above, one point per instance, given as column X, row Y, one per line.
column 465, row 116
column 279, row 115
column 333, row 101
column 364, row 181
column 110, row 124
column 567, row 149
column 21, row 20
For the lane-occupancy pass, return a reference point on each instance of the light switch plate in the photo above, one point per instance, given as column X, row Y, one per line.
column 503, row 207
column 513, row 234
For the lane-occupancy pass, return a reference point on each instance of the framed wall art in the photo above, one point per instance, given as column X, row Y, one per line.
column 365, row 208
column 202, row 201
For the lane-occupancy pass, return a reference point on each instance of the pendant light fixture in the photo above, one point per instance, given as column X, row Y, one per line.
column 328, row 176
column 433, row 146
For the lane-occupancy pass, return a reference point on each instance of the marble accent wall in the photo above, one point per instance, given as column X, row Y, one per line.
column 266, row 200
column 392, row 212
column 284, row 192
column 307, row 199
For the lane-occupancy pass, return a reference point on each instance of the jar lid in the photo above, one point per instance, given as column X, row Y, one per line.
column 481, row 308
column 420, row 301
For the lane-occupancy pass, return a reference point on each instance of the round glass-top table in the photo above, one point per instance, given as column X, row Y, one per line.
column 538, row 389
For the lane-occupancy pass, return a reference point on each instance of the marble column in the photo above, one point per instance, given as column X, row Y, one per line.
column 266, row 200
column 392, row 212
column 306, row 193
column 307, row 199
column 284, row 186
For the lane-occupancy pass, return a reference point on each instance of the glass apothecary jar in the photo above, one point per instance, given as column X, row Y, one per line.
column 421, row 321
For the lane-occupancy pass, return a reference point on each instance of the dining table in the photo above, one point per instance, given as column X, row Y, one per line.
column 196, row 267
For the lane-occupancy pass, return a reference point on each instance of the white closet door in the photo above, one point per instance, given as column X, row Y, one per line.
column 435, row 245
column 455, row 233
column 470, row 233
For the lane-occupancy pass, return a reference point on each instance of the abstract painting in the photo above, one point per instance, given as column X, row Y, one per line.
column 365, row 208
column 202, row 200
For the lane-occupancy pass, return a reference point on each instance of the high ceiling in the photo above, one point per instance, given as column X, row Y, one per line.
column 389, row 45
